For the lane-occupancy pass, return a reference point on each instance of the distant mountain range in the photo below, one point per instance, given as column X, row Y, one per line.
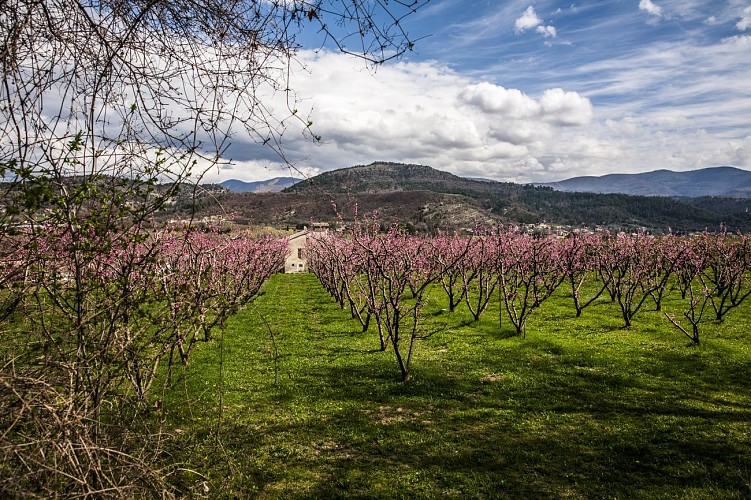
column 716, row 181
column 377, row 177
column 394, row 188
column 268, row 186
column 425, row 199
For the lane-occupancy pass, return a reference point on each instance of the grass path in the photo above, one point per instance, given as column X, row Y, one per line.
column 579, row 409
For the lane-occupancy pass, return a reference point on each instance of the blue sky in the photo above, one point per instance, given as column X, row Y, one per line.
column 532, row 91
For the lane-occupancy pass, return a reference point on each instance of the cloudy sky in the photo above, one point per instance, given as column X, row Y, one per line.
column 532, row 91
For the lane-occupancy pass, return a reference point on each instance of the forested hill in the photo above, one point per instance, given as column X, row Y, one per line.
column 423, row 198
column 501, row 202
column 382, row 177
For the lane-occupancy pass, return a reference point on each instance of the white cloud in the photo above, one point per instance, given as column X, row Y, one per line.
column 528, row 20
column 507, row 103
column 737, row 40
column 673, row 103
column 741, row 152
column 650, row 7
column 520, row 132
column 547, row 31
column 556, row 105
column 566, row 108
column 654, row 107
column 415, row 112
column 745, row 21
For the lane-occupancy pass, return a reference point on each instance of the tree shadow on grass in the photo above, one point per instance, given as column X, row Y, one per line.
column 386, row 451
column 563, row 427
column 569, row 431
column 494, row 418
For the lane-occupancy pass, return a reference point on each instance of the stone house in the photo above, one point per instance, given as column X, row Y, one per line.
column 296, row 261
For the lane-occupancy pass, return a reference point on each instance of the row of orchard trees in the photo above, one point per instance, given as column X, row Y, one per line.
column 92, row 314
column 383, row 277
column 107, row 108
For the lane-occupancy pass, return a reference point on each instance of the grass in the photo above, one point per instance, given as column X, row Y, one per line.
column 580, row 408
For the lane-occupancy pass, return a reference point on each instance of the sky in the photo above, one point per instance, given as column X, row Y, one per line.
column 529, row 91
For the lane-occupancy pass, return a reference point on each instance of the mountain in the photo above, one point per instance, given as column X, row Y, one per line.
column 382, row 177
column 268, row 186
column 428, row 198
column 716, row 181
column 425, row 199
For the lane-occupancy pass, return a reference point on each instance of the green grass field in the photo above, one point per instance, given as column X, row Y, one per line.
column 580, row 408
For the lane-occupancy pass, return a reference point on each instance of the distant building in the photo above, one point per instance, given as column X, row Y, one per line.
column 297, row 261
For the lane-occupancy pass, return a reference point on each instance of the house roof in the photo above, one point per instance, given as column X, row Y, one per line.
column 299, row 234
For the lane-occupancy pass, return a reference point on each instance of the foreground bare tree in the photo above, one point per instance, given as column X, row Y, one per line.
column 101, row 104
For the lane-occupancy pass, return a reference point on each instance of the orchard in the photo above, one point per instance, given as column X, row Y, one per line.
column 92, row 321
column 385, row 276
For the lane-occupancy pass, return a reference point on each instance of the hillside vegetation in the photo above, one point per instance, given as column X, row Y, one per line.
column 426, row 198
